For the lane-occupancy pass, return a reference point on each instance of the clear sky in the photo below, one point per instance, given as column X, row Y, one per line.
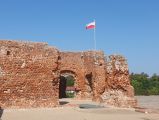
column 126, row 27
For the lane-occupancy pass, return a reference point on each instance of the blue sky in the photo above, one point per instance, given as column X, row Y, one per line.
column 126, row 27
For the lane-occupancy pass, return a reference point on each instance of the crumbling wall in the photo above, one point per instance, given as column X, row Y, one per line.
column 89, row 70
column 28, row 75
column 71, row 62
column 119, row 92
column 94, row 63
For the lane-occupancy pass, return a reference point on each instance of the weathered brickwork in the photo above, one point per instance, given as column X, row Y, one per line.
column 27, row 78
column 119, row 92
column 30, row 76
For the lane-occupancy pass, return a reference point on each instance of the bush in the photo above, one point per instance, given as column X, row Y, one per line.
column 69, row 95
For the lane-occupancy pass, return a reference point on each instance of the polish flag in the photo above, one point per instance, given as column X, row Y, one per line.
column 91, row 25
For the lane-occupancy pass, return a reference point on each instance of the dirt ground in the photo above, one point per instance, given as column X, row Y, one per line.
column 148, row 101
column 69, row 110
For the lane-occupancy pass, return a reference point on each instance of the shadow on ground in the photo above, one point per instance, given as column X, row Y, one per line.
column 63, row 102
column 90, row 106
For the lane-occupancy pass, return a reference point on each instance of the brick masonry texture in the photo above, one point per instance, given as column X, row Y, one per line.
column 30, row 76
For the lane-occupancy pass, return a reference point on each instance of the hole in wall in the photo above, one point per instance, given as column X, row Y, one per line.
column 59, row 58
column 89, row 80
column 8, row 52
column 100, row 64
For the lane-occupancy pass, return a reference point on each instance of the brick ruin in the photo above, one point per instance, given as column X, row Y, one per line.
column 30, row 76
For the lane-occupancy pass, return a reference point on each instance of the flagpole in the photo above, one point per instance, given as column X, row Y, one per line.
column 95, row 43
column 95, row 36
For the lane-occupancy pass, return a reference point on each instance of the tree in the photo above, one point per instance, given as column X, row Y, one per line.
column 145, row 85
column 70, row 81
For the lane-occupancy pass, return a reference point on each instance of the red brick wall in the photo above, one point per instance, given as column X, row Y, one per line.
column 28, row 75
column 30, row 72
column 83, row 64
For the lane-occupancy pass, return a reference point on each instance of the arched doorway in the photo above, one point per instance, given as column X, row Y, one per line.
column 67, row 84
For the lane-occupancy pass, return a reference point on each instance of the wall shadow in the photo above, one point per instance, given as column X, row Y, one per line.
column 1, row 113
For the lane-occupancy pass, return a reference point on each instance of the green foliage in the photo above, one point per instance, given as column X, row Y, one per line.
column 145, row 85
column 70, row 81
column 70, row 95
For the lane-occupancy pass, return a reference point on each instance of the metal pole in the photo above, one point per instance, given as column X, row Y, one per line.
column 95, row 37
column 95, row 44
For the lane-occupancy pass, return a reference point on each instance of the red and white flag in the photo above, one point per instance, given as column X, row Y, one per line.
column 91, row 25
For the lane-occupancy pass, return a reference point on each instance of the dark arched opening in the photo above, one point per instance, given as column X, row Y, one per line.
column 66, row 85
